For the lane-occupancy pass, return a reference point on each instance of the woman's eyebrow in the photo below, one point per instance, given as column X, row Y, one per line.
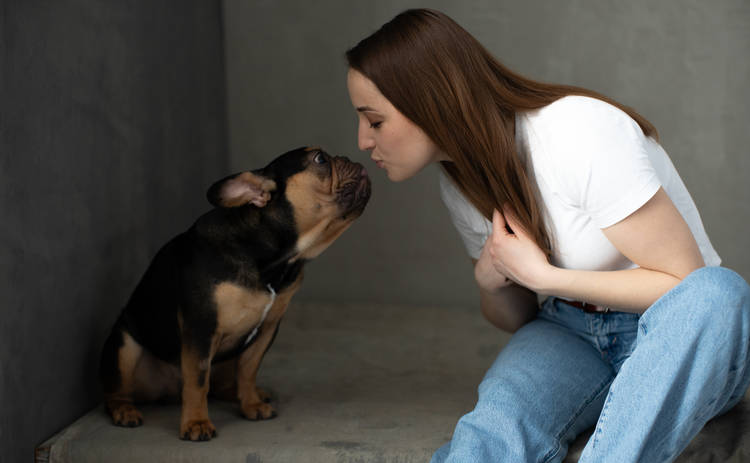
column 363, row 109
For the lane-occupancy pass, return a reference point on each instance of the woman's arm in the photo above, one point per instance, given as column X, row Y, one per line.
column 505, row 304
column 655, row 237
column 508, row 307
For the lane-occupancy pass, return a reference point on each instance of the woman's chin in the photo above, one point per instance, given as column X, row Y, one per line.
column 398, row 176
column 395, row 178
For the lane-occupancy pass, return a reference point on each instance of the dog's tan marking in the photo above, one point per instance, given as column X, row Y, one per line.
column 155, row 379
column 310, row 246
column 120, row 403
column 313, row 148
column 318, row 227
column 128, row 357
column 239, row 311
column 143, row 377
column 306, row 191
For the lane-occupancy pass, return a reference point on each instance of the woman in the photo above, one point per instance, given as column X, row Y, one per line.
column 560, row 191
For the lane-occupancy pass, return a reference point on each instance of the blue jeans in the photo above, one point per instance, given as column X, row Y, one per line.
column 649, row 383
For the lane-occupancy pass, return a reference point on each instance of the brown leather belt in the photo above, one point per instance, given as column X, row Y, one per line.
column 586, row 307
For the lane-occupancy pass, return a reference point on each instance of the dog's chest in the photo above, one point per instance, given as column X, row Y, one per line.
column 239, row 311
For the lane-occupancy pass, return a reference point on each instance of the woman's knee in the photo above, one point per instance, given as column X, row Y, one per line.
column 722, row 294
column 718, row 282
column 710, row 295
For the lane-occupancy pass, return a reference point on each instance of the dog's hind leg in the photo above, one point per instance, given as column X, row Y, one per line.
column 119, row 359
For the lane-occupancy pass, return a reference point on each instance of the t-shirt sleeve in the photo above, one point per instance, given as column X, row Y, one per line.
column 600, row 159
column 471, row 225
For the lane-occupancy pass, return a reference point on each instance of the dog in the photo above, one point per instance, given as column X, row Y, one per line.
column 209, row 305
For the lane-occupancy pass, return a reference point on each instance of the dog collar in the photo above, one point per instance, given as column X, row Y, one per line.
column 263, row 317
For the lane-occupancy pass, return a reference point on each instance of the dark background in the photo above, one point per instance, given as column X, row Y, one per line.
column 115, row 116
column 113, row 126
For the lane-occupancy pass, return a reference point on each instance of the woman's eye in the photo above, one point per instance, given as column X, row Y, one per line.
column 320, row 159
column 375, row 125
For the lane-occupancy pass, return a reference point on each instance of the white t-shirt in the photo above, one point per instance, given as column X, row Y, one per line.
column 593, row 167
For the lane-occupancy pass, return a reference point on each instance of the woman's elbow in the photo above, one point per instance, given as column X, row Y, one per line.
column 502, row 321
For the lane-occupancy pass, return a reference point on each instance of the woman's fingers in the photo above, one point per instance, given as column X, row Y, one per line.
column 498, row 222
column 500, row 227
column 512, row 220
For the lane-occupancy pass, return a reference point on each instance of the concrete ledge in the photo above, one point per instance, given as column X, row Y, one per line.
column 352, row 383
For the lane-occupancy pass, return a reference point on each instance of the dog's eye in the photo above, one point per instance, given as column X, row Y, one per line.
column 320, row 158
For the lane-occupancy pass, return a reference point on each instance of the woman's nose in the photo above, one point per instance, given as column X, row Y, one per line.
column 364, row 138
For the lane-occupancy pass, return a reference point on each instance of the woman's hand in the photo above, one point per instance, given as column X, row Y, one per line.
column 507, row 302
column 513, row 254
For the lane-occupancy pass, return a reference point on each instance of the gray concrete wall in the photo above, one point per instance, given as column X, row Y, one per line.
column 681, row 63
column 112, row 125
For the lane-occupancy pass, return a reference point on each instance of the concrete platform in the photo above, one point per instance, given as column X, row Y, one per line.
column 352, row 383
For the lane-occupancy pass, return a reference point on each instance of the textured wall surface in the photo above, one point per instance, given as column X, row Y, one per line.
column 112, row 125
column 682, row 64
column 112, row 128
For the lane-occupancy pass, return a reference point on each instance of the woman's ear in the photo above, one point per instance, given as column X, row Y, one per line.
column 240, row 189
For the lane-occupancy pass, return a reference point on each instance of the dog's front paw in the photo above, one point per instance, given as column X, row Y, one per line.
column 125, row 414
column 197, row 430
column 258, row 411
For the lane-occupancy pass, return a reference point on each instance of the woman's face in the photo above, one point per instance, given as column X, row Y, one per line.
column 395, row 143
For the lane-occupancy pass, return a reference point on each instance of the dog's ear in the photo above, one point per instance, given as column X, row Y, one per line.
column 240, row 189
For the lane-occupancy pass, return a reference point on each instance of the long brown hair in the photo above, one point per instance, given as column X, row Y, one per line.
column 442, row 79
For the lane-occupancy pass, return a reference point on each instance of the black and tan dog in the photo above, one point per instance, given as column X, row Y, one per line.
column 210, row 303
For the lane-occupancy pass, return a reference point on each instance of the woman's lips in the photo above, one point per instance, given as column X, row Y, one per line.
column 378, row 163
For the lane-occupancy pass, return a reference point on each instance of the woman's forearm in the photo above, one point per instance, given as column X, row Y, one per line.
column 653, row 237
column 508, row 308
column 631, row 290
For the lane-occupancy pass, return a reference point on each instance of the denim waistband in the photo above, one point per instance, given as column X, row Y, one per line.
column 590, row 323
